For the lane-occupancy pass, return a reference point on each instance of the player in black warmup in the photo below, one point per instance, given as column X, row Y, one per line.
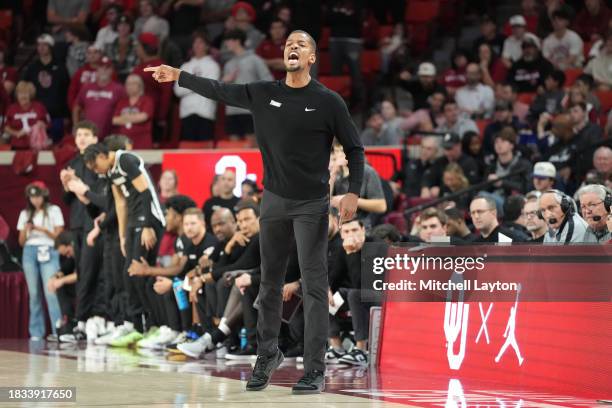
column 295, row 120
column 141, row 221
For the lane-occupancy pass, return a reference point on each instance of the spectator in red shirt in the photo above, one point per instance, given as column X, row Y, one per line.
column 96, row 102
column 86, row 74
column 147, row 49
column 493, row 70
column 22, row 116
column 592, row 22
column 272, row 49
column 454, row 77
column 134, row 114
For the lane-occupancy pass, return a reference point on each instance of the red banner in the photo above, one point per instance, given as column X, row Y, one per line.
column 560, row 347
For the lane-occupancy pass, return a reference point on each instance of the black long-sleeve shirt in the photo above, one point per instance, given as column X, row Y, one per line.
column 78, row 213
column 294, row 128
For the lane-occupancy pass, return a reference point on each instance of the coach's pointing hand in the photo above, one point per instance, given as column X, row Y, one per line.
column 348, row 207
column 164, row 73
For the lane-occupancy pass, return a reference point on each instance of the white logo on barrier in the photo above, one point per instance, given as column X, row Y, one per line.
column 455, row 322
column 455, row 398
column 235, row 162
column 519, row 404
column 483, row 326
column 510, row 334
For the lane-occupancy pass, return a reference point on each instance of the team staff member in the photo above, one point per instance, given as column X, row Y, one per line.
column 295, row 120
column 141, row 222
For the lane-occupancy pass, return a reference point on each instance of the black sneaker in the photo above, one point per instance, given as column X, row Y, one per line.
column 355, row 357
column 312, row 382
column 264, row 367
column 249, row 353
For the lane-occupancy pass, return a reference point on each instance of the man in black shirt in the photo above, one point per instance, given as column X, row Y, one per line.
column 422, row 87
column 141, row 222
column 484, row 216
column 412, row 172
column 225, row 199
column 295, row 123
column 529, row 72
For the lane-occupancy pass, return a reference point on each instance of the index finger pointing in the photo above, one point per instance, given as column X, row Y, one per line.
column 151, row 69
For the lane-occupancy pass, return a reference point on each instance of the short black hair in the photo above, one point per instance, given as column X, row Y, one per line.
column 311, row 40
column 245, row 205
column 236, row 34
column 86, row 124
column 582, row 105
column 561, row 13
column 116, row 142
column 513, row 206
column 251, row 183
column 454, row 214
column 199, row 33
column 558, row 76
column 93, row 151
column 64, row 238
column 386, row 232
column 277, row 20
column 587, row 79
column 180, row 203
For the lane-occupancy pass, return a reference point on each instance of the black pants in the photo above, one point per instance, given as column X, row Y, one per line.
column 216, row 294
column 90, row 282
column 360, row 314
column 197, row 128
column 306, row 220
column 143, row 302
column 249, row 313
column 113, row 264
column 66, row 295
column 176, row 319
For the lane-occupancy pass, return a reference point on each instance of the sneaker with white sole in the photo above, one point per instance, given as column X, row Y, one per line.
column 356, row 357
column 166, row 336
column 149, row 337
column 333, row 357
column 77, row 335
column 197, row 349
column 91, row 329
column 118, row 331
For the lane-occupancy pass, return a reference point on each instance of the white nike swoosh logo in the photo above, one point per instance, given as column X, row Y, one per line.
column 309, row 110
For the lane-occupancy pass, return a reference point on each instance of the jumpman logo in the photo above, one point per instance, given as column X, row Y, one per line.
column 510, row 334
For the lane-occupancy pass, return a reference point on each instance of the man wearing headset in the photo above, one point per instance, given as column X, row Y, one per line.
column 595, row 201
column 565, row 226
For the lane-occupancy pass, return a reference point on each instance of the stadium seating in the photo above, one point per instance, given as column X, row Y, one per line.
column 340, row 84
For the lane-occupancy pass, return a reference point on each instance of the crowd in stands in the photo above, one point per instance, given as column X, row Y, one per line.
column 509, row 144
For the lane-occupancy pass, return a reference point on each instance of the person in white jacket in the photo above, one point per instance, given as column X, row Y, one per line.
column 196, row 112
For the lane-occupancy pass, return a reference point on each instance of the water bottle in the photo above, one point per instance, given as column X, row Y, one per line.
column 180, row 294
column 243, row 338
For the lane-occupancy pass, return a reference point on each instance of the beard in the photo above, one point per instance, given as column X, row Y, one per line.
column 292, row 68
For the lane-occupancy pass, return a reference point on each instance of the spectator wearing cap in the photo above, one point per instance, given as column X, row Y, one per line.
column 422, row 87
column 345, row 18
column 550, row 101
column 108, row 34
column 592, row 22
column 509, row 164
column 51, row 80
column 380, row 133
column 122, row 52
column 544, row 176
column 244, row 15
column 433, row 176
column 563, row 47
column 244, row 67
column 96, row 102
column 272, row 48
column 502, row 118
column 455, row 77
column 62, row 13
column 38, row 225
column 490, row 36
column 133, row 116
column 530, row 11
column 77, row 37
column 148, row 56
column 454, row 122
column 475, row 99
column 600, row 67
column 512, row 51
column 23, row 115
column 196, row 112
column 150, row 22
column 529, row 71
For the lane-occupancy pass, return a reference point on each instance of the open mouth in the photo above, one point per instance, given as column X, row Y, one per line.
column 293, row 56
